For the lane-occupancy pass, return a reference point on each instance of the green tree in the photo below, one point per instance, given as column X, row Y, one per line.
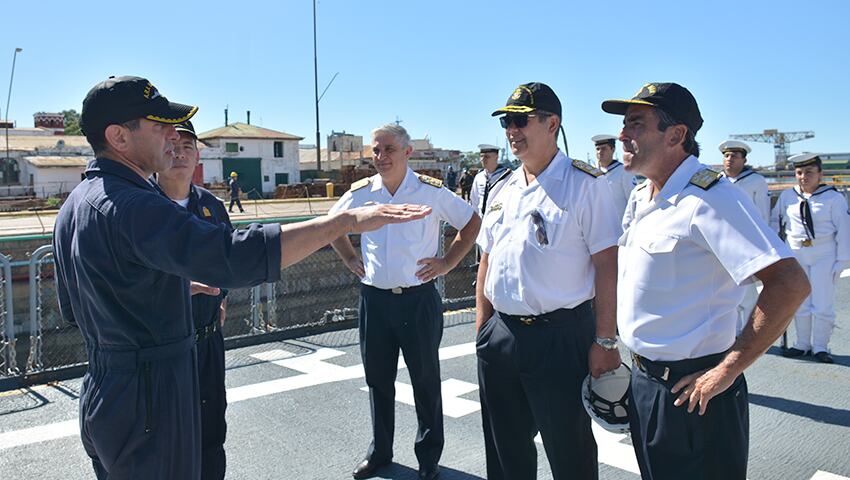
column 72, row 122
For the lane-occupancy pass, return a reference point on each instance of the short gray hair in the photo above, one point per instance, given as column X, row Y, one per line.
column 397, row 131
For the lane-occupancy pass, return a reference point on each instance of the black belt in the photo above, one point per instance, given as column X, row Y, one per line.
column 665, row 370
column 402, row 290
column 205, row 332
column 555, row 316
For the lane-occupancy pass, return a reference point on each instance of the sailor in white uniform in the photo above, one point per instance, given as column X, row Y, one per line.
column 691, row 244
column 754, row 186
column 621, row 182
column 815, row 222
column 489, row 180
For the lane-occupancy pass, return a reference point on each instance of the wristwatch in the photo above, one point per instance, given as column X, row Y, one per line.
column 607, row 343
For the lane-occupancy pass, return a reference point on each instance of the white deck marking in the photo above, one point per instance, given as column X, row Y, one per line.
column 821, row 475
column 451, row 390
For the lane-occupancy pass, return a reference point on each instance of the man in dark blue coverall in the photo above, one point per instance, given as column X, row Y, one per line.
column 208, row 307
column 124, row 252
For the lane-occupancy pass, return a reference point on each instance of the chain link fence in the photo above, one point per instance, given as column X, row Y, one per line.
column 316, row 296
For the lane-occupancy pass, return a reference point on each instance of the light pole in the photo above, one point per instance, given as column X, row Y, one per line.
column 316, row 87
column 9, row 97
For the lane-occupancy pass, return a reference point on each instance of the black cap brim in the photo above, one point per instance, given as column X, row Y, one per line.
column 172, row 113
column 619, row 107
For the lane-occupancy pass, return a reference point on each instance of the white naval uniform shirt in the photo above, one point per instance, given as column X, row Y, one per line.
column 390, row 253
column 830, row 217
column 526, row 278
column 621, row 182
column 755, row 187
column 682, row 261
column 479, row 184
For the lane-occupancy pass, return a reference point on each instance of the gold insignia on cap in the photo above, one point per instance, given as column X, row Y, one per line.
column 207, row 212
column 517, row 93
column 648, row 88
column 360, row 183
column 431, row 181
column 587, row 168
column 705, row 178
column 150, row 91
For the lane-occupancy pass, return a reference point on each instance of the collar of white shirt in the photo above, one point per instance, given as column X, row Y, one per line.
column 409, row 181
column 554, row 172
column 679, row 180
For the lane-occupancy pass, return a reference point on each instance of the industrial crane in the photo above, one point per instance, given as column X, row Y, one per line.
column 780, row 141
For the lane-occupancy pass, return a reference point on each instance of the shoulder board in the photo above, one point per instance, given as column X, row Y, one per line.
column 360, row 183
column 705, row 178
column 430, row 181
column 207, row 213
column 587, row 168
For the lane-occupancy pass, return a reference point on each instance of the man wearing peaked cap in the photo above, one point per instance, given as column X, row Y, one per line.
column 208, row 303
column 814, row 220
column 620, row 181
column 122, row 264
column 754, row 186
column 692, row 245
column 540, row 332
column 489, row 180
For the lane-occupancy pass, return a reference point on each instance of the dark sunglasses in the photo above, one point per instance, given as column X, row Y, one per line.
column 539, row 228
column 519, row 120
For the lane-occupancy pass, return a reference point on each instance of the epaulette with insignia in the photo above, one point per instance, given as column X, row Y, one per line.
column 587, row 168
column 207, row 212
column 360, row 183
column 705, row 178
column 430, row 181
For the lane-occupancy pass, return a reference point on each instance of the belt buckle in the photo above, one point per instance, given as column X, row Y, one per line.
column 807, row 242
column 396, row 290
column 526, row 320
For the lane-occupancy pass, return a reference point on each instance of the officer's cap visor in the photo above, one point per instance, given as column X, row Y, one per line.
column 619, row 107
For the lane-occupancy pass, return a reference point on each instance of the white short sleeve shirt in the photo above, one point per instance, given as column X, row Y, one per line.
column 621, row 183
column 527, row 277
column 683, row 259
column 830, row 217
column 390, row 253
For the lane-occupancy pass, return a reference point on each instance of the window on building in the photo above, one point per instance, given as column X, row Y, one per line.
column 231, row 147
column 281, row 178
column 278, row 149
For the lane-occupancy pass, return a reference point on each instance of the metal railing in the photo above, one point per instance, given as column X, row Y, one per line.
column 314, row 296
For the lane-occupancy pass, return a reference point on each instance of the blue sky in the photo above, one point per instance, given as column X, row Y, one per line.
column 443, row 66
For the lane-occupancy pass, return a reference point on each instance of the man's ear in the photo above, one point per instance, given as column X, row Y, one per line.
column 116, row 137
column 676, row 134
column 554, row 123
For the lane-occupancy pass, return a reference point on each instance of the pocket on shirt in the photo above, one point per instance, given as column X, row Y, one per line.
column 554, row 219
column 652, row 262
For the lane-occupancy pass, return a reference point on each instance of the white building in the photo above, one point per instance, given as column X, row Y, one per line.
column 50, row 176
column 263, row 158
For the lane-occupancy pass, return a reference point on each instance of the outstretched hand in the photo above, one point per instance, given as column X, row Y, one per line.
column 202, row 288
column 365, row 219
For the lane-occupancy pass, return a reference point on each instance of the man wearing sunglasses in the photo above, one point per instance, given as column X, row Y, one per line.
column 545, row 298
column 694, row 243
column 400, row 309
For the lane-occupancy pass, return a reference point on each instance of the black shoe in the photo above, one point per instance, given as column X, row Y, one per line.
column 795, row 352
column 367, row 469
column 824, row 357
column 429, row 473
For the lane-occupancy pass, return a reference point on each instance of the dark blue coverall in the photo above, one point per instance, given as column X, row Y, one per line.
column 124, row 252
column 210, row 344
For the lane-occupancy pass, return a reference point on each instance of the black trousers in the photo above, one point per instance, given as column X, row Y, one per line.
column 530, row 380
column 413, row 322
column 671, row 443
column 237, row 202
column 213, row 406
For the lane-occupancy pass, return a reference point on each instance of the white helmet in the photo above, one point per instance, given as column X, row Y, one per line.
column 606, row 399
